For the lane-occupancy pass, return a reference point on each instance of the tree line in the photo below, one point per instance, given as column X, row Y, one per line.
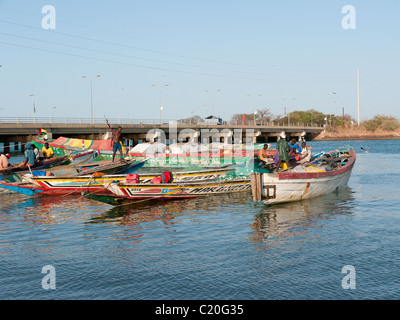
column 310, row 117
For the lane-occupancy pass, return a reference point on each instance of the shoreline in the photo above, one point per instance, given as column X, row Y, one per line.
column 357, row 134
column 345, row 138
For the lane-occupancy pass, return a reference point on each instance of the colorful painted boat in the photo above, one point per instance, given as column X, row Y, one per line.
column 125, row 192
column 73, row 170
column 162, row 155
column 326, row 174
column 83, row 157
column 20, row 187
column 41, row 164
column 53, row 185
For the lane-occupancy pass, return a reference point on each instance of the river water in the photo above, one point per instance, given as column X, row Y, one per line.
column 220, row 247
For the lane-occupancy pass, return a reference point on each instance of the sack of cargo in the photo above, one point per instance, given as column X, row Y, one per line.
column 156, row 180
column 132, row 178
column 167, row 177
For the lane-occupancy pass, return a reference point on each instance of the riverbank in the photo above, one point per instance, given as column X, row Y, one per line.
column 357, row 134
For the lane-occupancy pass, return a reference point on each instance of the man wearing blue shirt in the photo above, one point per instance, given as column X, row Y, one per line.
column 30, row 157
column 294, row 147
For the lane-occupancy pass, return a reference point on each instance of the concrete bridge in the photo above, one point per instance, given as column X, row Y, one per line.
column 26, row 129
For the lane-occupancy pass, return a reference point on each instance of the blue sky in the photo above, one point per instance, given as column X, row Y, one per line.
column 259, row 54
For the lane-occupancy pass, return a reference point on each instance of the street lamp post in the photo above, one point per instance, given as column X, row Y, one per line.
column 52, row 113
column 34, row 108
column 212, row 97
column 254, row 104
column 159, row 98
column 91, row 95
column 287, row 110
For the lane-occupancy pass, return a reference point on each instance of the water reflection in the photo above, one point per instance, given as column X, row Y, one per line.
column 137, row 213
column 147, row 211
column 295, row 219
column 45, row 209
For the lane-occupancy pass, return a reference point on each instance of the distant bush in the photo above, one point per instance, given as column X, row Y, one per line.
column 390, row 125
column 386, row 123
column 371, row 125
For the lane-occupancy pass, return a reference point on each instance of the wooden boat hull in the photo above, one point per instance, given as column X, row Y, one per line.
column 75, row 185
column 292, row 186
column 42, row 164
column 22, row 188
column 178, row 190
column 73, row 170
column 118, row 201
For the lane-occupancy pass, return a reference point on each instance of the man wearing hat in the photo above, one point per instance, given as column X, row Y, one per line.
column 283, row 150
column 4, row 164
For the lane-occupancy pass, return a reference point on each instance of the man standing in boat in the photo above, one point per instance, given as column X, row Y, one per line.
column 116, row 141
column 282, row 148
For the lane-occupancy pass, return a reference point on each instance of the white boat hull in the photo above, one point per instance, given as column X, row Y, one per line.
column 287, row 187
column 294, row 190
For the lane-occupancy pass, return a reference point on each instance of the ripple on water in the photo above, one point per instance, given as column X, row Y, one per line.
column 220, row 247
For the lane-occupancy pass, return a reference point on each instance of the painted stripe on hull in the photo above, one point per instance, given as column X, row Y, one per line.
column 137, row 191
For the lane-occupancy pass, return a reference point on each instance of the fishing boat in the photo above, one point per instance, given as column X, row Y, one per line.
column 41, row 164
column 326, row 174
column 128, row 193
column 25, row 186
column 105, row 167
column 61, row 185
column 59, row 166
column 83, row 157
column 178, row 155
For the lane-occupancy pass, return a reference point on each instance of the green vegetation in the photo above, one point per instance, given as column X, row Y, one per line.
column 312, row 117
column 315, row 118
column 385, row 123
column 309, row 117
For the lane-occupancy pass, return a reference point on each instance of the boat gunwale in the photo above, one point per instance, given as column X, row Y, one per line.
column 183, row 184
column 107, row 176
column 316, row 175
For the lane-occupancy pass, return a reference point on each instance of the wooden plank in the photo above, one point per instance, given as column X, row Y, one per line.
column 255, row 180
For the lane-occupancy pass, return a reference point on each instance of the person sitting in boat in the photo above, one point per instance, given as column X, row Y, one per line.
column 30, row 157
column 294, row 147
column 4, row 163
column 47, row 151
column 36, row 152
column 282, row 148
column 264, row 156
column 305, row 154
column 257, row 162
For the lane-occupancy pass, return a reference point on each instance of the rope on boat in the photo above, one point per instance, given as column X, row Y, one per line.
column 80, row 187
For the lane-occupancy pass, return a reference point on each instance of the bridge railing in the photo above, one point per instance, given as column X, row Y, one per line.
column 114, row 121
column 76, row 120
